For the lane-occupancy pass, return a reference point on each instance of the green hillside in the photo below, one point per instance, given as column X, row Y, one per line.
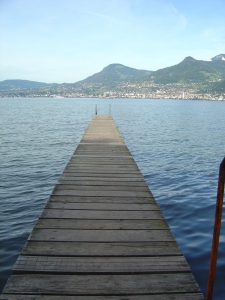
column 219, row 87
column 117, row 73
column 191, row 70
column 21, row 84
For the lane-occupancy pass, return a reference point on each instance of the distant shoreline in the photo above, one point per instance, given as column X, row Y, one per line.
column 111, row 98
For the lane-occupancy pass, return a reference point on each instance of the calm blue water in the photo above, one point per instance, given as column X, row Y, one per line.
column 178, row 146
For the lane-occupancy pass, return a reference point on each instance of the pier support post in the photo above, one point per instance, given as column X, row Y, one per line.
column 216, row 233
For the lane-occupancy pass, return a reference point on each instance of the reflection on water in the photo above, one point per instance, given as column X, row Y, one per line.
column 178, row 146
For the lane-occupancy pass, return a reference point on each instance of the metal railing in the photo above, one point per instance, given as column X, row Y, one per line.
column 216, row 232
column 96, row 109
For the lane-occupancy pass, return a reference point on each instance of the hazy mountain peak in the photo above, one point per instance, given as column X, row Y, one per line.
column 189, row 59
column 218, row 57
column 115, row 65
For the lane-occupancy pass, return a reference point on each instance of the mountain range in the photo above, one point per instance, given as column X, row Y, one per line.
column 188, row 71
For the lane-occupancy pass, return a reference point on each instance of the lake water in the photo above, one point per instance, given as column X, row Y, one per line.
column 178, row 146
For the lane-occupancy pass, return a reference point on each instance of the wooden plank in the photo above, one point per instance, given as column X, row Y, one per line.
column 102, row 144
column 97, row 177
column 120, row 167
column 101, row 163
column 98, row 265
column 105, row 199
column 98, row 182
column 81, row 155
column 86, row 161
column 102, row 284
column 102, row 139
column 101, row 159
column 66, row 235
column 95, row 155
column 112, row 147
column 114, row 169
column 99, row 193
column 100, row 215
column 137, row 249
column 99, row 149
column 104, row 166
column 101, row 224
column 107, row 174
column 103, row 150
column 96, row 129
column 103, row 171
column 107, row 147
column 101, row 206
column 192, row 296
column 107, row 188
column 99, row 152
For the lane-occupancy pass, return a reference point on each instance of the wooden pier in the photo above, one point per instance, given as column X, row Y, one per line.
column 101, row 234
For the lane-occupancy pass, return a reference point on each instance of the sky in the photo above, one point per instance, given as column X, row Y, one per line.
column 69, row 40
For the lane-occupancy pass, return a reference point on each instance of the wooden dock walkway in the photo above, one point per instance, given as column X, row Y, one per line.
column 101, row 234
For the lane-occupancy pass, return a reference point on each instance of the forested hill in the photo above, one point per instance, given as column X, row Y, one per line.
column 116, row 73
column 191, row 70
column 21, row 84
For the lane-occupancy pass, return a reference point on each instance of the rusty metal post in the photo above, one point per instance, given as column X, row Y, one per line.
column 216, row 233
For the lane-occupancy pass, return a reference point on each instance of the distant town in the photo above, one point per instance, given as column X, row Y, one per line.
column 148, row 90
column 124, row 90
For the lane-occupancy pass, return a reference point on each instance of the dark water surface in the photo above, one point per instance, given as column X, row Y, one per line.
column 178, row 146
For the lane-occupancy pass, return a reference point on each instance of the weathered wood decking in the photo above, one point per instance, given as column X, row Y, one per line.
column 101, row 234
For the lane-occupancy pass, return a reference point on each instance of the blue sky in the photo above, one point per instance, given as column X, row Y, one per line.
column 69, row 40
